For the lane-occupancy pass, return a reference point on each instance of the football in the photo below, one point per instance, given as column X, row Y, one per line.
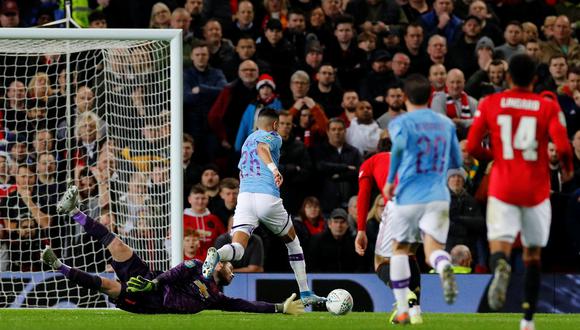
column 339, row 302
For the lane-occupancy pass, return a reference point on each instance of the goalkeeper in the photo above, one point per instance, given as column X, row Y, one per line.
column 181, row 289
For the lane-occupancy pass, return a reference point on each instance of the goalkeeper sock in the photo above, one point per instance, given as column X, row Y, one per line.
column 400, row 278
column 84, row 279
column 95, row 229
column 531, row 289
column 229, row 252
column 296, row 259
column 384, row 273
column 415, row 283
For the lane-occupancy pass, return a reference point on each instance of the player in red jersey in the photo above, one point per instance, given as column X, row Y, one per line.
column 374, row 171
column 520, row 124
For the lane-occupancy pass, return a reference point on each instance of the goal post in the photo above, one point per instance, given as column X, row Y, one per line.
column 137, row 117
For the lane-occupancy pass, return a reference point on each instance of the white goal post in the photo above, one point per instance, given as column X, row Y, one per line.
column 160, row 98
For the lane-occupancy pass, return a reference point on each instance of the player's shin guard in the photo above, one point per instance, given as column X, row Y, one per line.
column 296, row 259
column 400, row 278
column 231, row 252
column 531, row 289
column 95, row 229
column 384, row 273
column 415, row 283
column 83, row 279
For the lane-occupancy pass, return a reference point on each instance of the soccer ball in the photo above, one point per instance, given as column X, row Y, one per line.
column 339, row 302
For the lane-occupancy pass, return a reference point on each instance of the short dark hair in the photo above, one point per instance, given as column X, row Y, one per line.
column 522, row 70
column 496, row 62
column 197, row 189
column 412, row 25
column 96, row 15
column 573, row 69
column 344, row 19
column 188, row 138
column 229, row 183
column 418, row 89
column 336, row 120
column 516, row 23
column 296, row 11
column 199, row 44
column 269, row 113
column 555, row 56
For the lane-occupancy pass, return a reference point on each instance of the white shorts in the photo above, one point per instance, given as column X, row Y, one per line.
column 505, row 221
column 384, row 245
column 410, row 221
column 255, row 208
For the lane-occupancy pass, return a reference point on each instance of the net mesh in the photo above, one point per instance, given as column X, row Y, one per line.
column 112, row 142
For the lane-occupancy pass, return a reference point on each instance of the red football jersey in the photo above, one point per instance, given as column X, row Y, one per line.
column 520, row 124
column 207, row 225
column 374, row 169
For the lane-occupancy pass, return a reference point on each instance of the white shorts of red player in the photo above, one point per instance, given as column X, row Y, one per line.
column 254, row 209
column 410, row 221
column 505, row 221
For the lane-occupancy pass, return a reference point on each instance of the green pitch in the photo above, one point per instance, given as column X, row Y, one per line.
column 210, row 320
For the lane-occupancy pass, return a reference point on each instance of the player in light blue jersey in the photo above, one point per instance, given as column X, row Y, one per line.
column 259, row 202
column 425, row 146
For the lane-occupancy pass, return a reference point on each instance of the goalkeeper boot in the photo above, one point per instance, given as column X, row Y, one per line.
column 69, row 200
column 49, row 258
column 414, row 308
column 211, row 260
column 449, row 284
column 499, row 285
column 527, row 325
column 402, row 318
column 309, row 298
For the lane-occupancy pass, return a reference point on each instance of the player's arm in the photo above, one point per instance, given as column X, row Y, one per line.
column 263, row 150
column 399, row 139
column 363, row 202
column 175, row 274
column 477, row 132
column 289, row 306
column 558, row 134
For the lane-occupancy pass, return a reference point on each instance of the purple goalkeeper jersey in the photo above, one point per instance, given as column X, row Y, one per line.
column 184, row 290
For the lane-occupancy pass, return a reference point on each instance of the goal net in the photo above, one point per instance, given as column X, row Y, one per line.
column 94, row 111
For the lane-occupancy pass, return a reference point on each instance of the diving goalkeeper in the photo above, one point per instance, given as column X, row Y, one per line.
column 181, row 289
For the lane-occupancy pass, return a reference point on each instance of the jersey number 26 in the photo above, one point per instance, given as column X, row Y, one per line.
column 524, row 138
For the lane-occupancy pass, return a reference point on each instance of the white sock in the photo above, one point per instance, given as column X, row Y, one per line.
column 400, row 276
column 229, row 252
column 439, row 259
column 296, row 259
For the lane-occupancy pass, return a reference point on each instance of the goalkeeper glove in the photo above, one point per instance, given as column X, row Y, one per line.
column 293, row 307
column 141, row 284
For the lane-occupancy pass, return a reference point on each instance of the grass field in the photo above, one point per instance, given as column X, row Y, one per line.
column 109, row 320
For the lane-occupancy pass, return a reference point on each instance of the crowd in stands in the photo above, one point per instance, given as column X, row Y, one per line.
column 333, row 69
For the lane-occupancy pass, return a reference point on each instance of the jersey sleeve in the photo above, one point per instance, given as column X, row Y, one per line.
column 229, row 304
column 178, row 273
column 365, row 182
column 399, row 138
column 558, row 134
column 478, row 131
column 267, row 138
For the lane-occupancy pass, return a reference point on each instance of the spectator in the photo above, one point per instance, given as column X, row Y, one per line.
column 310, row 221
column 461, row 259
column 373, row 85
column 14, row 106
column 490, row 81
column 320, row 26
column 401, row 65
column 220, row 10
column 97, row 20
column 84, row 102
column 352, row 214
column 221, row 50
column 463, row 49
column 413, row 47
column 466, row 224
column 295, row 165
column 243, row 24
column 456, row 104
column 566, row 100
column 201, row 87
column 180, row 19
column 275, row 9
column 414, row 9
column 349, row 101
column 367, row 41
column 7, row 185
column 364, row 133
column 195, row 9
column 337, row 164
column 25, row 245
column 530, row 32
column 441, row 20
column 332, row 251
column 191, row 244
column 267, row 98
column 224, row 207
column 311, row 119
column 295, row 32
column 210, row 181
column 484, row 50
column 245, row 50
column 395, row 101
column 9, row 14
column 473, row 168
column 159, row 187
column 437, row 78
column 160, row 16
column 557, row 185
column 548, row 27
column 231, row 103
column 343, row 53
column 372, row 229
column 326, row 92
column 332, row 10
column 558, row 68
column 191, row 169
column 489, row 25
column 277, row 52
column 437, row 51
column 133, row 204
column 88, row 133
column 47, row 185
column 374, row 15
column 312, row 59
column 562, row 43
column 253, row 259
column 199, row 219
column 513, row 36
